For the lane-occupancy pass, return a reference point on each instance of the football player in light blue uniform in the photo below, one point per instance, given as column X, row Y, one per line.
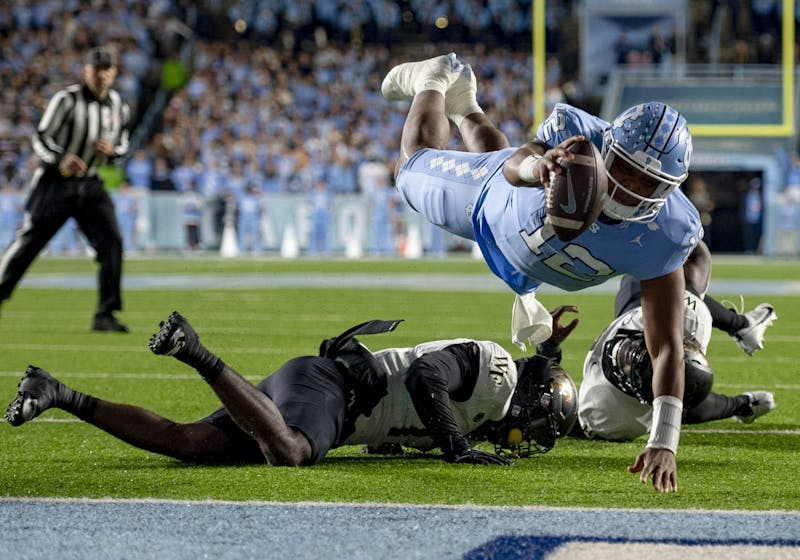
column 647, row 229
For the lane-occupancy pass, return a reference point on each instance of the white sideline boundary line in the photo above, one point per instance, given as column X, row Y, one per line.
column 743, row 431
column 381, row 505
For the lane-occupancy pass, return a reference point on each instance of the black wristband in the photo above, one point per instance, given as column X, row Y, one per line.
column 453, row 445
column 549, row 350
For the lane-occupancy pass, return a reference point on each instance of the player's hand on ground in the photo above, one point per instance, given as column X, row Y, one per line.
column 660, row 464
column 561, row 332
column 549, row 162
column 478, row 457
column 72, row 165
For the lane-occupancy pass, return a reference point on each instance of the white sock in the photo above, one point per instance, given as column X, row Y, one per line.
column 432, row 83
column 458, row 111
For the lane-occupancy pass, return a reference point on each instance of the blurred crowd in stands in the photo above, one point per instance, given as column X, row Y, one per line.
column 283, row 95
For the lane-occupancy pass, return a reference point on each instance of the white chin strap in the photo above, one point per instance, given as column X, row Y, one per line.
column 645, row 210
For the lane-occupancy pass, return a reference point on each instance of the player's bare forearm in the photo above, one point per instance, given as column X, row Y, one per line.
column 662, row 314
column 511, row 168
column 532, row 164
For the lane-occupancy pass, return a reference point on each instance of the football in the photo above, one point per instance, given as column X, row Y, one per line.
column 575, row 197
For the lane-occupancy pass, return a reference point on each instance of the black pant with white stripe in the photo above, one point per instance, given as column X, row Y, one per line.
column 52, row 201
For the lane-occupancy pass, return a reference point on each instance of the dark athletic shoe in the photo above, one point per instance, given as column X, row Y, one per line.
column 38, row 391
column 108, row 323
column 176, row 338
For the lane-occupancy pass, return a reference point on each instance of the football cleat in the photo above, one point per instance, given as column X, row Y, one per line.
column 761, row 402
column 751, row 337
column 108, row 323
column 175, row 338
column 405, row 80
column 462, row 97
column 38, row 391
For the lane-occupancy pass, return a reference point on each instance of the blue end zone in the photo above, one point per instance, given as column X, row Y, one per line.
column 86, row 529
column 541, row 547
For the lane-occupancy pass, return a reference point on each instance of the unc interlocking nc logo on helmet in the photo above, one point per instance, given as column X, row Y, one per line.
column 655, row 139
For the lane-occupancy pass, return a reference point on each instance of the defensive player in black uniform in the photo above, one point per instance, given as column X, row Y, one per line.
column 84, row 126
column 437, row 394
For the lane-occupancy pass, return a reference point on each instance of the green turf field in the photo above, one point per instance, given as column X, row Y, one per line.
column 722, row 465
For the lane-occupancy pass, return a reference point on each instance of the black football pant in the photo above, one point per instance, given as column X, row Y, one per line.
column 52, row 202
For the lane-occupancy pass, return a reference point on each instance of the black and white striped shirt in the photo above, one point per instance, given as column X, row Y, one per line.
column 74, row 120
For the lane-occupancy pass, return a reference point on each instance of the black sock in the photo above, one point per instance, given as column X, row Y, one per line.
column 205, row 362
column 724, row 318
column 743, row 407
column 75, row 402
column 718, row 407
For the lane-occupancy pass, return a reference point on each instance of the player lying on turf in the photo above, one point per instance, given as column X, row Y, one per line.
column 615, row 397
column 436, row 394
column 647, row 228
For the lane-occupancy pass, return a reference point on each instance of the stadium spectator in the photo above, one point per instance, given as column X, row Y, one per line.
column 192, row 214
column 788, row 222
column 85, row 125
column 162, row 175
column 437, row 394
column 249, row 212
column 380, row 209
column 341, row 174
column 126, row 203
column 697, row 192
column 752, row 216
column 321, row 202
column 791, row 168
column 139, row 170
column 489, row 199
column 184, row 174
column 11, row 212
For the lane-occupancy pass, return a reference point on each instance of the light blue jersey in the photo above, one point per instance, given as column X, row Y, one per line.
column 467, row 194
column 566, row 121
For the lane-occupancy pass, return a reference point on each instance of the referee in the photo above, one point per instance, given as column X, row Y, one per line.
column 84, row 126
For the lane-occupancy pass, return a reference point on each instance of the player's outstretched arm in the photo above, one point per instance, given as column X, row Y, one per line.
column 551, row 348
column 430, row 380
column 662, row 312
column 533, row 162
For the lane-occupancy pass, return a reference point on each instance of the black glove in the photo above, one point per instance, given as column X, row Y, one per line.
column 478, row 457
column 456, row 449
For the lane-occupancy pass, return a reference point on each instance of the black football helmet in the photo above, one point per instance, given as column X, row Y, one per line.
column 627, row 365
column 544, row 407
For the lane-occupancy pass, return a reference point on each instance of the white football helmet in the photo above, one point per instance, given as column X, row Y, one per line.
column 654, row 139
